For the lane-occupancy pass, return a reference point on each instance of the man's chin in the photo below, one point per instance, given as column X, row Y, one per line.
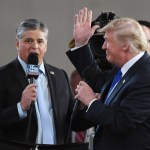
column 108, row 58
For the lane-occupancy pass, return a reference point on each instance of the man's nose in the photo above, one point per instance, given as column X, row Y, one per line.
column 104, row 46
column 35, row 44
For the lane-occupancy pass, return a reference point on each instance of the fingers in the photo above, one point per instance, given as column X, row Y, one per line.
column 76, row 19
column 84, row 93
column 80, row 86
column 81, row 13
column 89, row 17
column 31, row 91
column 84, row 16
column 79, row 17
column 29, row 94
column 94, row 28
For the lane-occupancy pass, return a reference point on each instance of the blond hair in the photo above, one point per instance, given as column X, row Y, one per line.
column 128, row 29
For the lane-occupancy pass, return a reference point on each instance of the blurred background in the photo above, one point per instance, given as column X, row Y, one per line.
column 58, row 15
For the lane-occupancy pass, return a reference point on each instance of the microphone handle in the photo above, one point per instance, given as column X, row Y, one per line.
column 76, row 105
column 31, row 81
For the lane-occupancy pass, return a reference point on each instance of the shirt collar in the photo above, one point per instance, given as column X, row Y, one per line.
column 41, row 67
column 130, row 63
column 23, row 64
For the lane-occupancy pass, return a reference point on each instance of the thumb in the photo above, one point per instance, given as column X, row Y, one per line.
column 94, row 28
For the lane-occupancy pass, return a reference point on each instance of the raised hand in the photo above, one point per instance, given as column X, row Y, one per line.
column 83, row 31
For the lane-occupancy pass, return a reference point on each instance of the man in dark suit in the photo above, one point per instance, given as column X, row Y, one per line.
column 16, row 94
column 122, row 114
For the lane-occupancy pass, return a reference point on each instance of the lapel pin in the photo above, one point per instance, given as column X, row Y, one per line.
column 51, row 72
column 124, row 81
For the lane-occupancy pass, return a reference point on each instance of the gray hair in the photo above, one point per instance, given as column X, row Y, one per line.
column 128, row 29
column 30, row 24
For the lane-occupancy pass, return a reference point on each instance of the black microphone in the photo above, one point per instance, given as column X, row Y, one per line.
column 32, row 74
column 32, row 67
column 89, row 76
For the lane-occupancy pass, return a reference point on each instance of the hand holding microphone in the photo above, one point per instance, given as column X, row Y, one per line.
column 89, row 78
column 29, row 94
column 85, row 88
column 84, row 93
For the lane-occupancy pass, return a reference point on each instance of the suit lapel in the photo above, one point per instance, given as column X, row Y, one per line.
column 118, row 87
column 19, row 73
column 52, row 85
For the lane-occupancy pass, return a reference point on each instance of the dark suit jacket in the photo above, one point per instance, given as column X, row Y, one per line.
column 12, row 82
column 125, row 123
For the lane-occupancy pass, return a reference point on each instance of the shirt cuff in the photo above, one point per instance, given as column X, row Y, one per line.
column 75, row 48
column 22, row 114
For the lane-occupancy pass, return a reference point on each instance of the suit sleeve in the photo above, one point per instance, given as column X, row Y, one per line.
column 82, row 58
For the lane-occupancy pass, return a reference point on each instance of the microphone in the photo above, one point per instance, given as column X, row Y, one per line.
column 32, row 73
column 32, row 67
column 89, row 76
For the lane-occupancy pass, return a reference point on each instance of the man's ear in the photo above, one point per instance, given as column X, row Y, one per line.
column 17, row 45
column 126, row 46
